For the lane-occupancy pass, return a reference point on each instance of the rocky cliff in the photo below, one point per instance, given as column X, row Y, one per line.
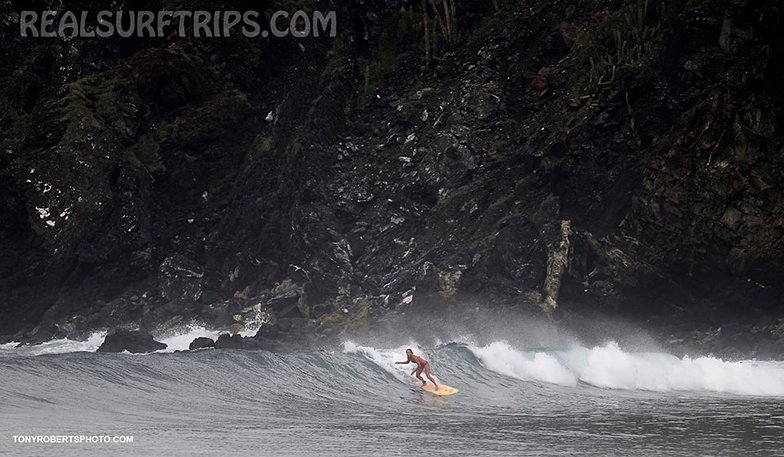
column 622, row 157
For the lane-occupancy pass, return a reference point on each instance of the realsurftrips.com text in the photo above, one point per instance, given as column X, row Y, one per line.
column 162, row 24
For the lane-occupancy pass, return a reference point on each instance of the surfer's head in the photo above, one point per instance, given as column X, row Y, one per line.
column 409, row 351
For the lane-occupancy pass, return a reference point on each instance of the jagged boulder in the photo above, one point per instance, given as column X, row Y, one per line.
column 286, row 300
column 180, row 278
column 201, row 343
column 134, row 342
column 226, row 341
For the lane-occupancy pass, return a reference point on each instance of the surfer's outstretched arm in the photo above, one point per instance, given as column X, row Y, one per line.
column 402, row 363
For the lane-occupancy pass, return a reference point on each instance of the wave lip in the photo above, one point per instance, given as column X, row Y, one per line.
column 500, row 357
column 611, row 367
column 384, row 358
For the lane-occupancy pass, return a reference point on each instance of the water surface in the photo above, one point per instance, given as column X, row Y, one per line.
column 353, row 401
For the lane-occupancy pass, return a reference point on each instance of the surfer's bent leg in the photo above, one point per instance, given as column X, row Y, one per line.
column 419, row 374
column 427, row 373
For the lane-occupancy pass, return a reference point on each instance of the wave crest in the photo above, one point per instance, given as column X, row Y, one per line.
column 611, row 367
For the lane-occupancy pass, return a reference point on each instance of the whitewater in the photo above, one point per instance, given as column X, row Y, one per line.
column 352, row 399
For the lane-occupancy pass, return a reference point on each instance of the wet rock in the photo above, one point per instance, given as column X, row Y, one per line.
column 201, row 343
column 734, row 33
column 731, row 218
column 180, row 278
column 573, row 34
column 286, row 324
column 237, row 328
column 226, row 341
column 448, row 283
column 350, row 317
column 518, row 254
column 286, row 304
column 540, row 81
column 427, row 278
column 134, row 342
column 447, row 164
column 557, row 263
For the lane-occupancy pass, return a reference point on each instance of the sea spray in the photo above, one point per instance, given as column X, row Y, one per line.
column 175, row 340
column 58, row 346
column 180, row 340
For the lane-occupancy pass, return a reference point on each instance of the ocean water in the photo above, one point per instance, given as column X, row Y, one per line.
column 353, row 400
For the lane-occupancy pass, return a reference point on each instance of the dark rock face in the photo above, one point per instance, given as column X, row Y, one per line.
column 134, row 342
column 180, row 278
column 226, row 341
column 311, row 186
column 201, row 343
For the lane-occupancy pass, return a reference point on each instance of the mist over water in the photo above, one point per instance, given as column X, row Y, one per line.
column 526, row 387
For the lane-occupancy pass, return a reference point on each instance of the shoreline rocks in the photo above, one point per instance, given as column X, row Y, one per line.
column 226, row 341
column 201, row 343
column 135, row 342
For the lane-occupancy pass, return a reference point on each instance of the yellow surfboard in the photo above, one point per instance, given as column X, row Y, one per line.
column 443, row 389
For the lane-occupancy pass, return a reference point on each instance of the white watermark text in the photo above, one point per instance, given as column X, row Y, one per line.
column 166, row 23
column 73, row 439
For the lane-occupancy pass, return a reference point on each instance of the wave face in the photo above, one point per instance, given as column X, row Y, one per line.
column 606, row 366
column 354, row 400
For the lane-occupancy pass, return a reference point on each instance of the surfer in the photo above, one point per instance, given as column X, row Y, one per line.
column 422, row 364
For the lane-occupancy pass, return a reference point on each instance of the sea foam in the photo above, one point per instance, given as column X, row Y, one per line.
column 180, row 340
column 59, row 346
column 609, row 366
